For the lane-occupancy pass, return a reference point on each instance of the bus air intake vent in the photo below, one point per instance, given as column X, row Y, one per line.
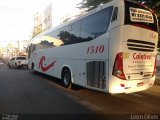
column 138, row 45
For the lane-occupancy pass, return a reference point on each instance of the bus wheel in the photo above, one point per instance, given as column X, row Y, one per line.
column 66, row 77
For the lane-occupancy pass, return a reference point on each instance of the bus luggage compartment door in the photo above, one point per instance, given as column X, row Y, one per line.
column 96, row 74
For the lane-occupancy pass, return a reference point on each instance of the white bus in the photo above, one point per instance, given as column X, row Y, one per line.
column 110, row 49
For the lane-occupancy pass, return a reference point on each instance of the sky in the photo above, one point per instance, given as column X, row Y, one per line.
column 16, row 22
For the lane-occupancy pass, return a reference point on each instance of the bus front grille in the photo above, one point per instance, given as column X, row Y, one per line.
column 139, row 45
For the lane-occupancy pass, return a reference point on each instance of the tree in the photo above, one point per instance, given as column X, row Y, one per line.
column 150, row 3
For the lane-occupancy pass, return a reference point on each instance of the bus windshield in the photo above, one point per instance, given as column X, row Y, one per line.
column 141, row 16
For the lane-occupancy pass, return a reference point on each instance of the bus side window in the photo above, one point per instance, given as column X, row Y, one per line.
column 115, row 13
column 73, row 33
column 96, row 24
column 59, row 34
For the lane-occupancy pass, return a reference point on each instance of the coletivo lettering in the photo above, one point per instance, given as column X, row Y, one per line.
column 140, row 56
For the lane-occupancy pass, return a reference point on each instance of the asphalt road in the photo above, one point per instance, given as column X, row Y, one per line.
column 23, row 92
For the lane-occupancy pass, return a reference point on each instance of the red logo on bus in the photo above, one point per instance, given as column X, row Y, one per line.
column 140, row 56
column 45, row 68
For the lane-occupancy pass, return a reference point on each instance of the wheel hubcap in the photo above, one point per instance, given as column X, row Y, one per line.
column 66, row 79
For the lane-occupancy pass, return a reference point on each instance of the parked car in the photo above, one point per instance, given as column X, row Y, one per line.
column 18, row 62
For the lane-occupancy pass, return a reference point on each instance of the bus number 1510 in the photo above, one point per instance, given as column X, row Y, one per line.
column 95, row 49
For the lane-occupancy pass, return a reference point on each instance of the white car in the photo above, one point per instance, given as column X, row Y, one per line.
column 18, row 62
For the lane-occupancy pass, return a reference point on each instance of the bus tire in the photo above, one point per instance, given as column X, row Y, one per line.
column 66, row 77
